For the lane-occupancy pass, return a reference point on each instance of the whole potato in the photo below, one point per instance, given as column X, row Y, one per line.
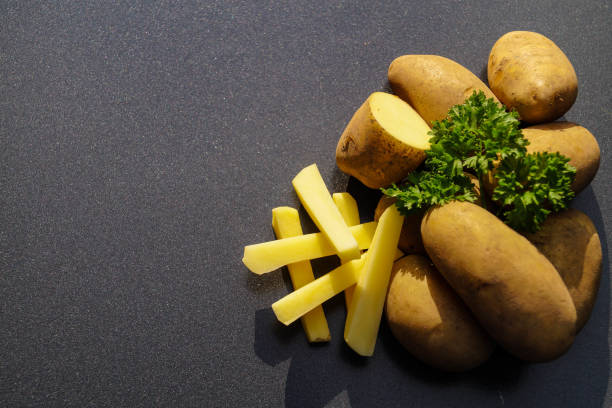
column 572, row 141
column 514, row 292
column 410, row 241
column 529, row 73
column 570, row 242
column 433, row 84
column 430, row 320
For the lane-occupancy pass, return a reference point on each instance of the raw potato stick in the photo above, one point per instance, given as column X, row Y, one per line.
column 349, row 211
column 286, row 223
column 317, row 201
column 366, row 308
column 269, row 256
column 297, row 303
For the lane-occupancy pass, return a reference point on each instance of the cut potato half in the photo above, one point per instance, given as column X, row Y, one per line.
column 384, row 141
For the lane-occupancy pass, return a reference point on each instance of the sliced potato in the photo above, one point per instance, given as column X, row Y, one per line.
column 269, row 256
column 286, row 223
column 383, row 142
column 317, row 201
column 348, row 208
column 364, row 314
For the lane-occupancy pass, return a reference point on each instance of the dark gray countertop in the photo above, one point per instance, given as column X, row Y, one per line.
column 145, row 143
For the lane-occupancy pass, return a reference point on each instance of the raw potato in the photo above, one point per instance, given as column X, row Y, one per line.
column 430, row 320
column 366, row 309
column 286, row 224
column 529, row 73
column 570, row 242
column 514, row 292
column 269, row 256
column 410, row 237
column 317, row 201
column 383, row 142
column 572, row 141
column 433, row 84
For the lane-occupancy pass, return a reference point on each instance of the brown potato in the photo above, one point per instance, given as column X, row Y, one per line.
column 570, row 242
column 410, row 238
column 433, row 84
column 513, row 290
column 384, row 141
column 529, row 73
column 430, row 320
column 572, row 141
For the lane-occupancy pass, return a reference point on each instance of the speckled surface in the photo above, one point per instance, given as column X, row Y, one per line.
column 144, row 144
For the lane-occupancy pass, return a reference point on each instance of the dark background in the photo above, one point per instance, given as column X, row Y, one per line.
column 143, row 144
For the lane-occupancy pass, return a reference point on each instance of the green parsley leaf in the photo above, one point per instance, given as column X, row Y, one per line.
column 474, row 136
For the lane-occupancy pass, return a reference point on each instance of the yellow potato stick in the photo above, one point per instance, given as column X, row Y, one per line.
column 317, row 201
column 286, row 223
column 269, row 256
column 297, row 303
column 349, row 211
column 365, row 311
column 348, row 208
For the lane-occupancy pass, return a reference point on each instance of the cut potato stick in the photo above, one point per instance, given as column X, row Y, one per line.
column 349, row 211
column 347, row 206
column 365, row 311
column 317, row 201
column 297, row 303
column 286, row 224
column 271, row 255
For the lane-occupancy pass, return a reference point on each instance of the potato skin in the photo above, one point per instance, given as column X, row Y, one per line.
column 513, row 290
column 570, row 242
column 410, row 238
column 529, row 73
column 433, row 84
column 368, row 153
column 572, row 141
column 430, row 320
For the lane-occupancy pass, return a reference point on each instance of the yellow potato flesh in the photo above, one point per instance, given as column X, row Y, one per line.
column 349, row 211
column 317, row 201
column 286, row 223
column 366, row 308
column 297, row 303
column 269, row 256
column 400, row 120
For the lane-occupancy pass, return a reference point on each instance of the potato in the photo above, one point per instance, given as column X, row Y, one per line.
column 430, row 320
column 383, row 142
column 529, row 73
column 570, row 242
column 410, row 237
column 514, row 292
column 572, row 141
column 433, row 84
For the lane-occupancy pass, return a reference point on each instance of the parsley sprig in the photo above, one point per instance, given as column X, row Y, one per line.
column 473, row 138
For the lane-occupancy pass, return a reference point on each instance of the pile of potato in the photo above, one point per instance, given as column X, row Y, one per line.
column 469, row 281
column 461, row 281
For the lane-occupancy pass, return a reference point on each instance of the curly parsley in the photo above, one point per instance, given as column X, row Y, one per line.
column 473, row 137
